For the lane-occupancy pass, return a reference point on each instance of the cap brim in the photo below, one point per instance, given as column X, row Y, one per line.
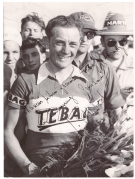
column 114, row 33
column 87, row 28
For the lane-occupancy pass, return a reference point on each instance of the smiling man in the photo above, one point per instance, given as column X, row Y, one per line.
column 53, row 98
column 115, row 41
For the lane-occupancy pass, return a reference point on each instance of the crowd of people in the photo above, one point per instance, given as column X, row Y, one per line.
column 55, row 86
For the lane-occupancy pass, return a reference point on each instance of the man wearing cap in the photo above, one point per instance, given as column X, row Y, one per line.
column 97, row 45
column 115, row 41
column 105, row 92
column 11, row 49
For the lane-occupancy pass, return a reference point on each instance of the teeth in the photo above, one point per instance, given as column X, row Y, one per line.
column 64, row 57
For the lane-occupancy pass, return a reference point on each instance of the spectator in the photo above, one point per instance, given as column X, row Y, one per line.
column 12, row 44
column 32, row 55
column 7, row 77
column 32, row 26
column 97, row 45
column 105, row 92
column 115, row 41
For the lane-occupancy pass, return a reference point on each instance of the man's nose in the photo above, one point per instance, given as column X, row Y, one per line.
column 84, row 38
column 30, row 59
column 117, row 44
column 10, row 56
column 31, row 32
column 65, row 49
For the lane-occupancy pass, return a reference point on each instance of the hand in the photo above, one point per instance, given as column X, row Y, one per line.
column 31, row 169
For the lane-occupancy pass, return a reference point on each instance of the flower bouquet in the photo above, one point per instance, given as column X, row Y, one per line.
column 96, row 154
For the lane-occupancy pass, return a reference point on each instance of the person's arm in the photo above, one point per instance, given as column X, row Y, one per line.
column 113, row 98
column 12, row 145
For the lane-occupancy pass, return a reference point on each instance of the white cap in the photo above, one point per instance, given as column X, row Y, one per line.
column 12, row 34
column 96, row 40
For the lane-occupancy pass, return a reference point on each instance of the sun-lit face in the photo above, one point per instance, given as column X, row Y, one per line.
column 31, row 29
column 31, row 58
column 63, row 46
column 11, row 53
column 85, row 44
column 116, row 51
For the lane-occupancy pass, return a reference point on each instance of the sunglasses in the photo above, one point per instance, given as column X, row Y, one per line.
column 112, row 43
column 90, row 34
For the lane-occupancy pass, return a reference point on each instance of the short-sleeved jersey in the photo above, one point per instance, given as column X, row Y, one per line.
column 54, row 111
column 104, row 82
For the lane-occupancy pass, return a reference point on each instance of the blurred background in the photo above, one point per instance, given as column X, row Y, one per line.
column 13, row 12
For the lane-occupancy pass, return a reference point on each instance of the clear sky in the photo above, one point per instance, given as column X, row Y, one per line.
column 15, row 11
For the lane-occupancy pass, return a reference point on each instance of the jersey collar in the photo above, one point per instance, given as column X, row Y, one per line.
column 43, row 73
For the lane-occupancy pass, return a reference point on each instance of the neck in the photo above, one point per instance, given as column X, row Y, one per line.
column 79, row 58
column 60, row 74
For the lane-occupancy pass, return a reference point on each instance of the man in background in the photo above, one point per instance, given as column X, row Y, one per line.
column 115, row 41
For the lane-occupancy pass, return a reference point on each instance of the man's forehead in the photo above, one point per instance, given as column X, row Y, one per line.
column 58, row 29
column 32, row 25
column 30, row 50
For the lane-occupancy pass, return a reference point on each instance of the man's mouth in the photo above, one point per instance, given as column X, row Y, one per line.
column 64, row 57
column 83, row 44
column 32, row 65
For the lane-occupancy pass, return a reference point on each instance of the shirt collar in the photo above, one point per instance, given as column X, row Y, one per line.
column 85, row 61
column 77, row 72
column 43, row 73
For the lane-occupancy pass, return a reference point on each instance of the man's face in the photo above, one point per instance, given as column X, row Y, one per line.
column 117, row 50
column 63, row 46
column 31, row 29
column 11, row 53
column 31, row 58
column 85, row 44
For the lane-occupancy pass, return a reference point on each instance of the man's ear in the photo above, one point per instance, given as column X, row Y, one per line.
column 43, row 33
column 102, row 41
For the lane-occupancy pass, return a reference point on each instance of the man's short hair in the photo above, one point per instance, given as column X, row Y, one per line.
column 62, row 21
column 31, row 42
column 33, row 18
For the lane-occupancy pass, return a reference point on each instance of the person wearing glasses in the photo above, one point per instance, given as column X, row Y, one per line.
column 105, row 91
column 115, row 41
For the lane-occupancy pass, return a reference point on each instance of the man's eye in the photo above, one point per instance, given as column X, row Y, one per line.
column 36, row 30
column 34, row 54
column 5, row 53
column 15, row 52
column 25, row 57
column 59, row 43
column 26, row 30
column 73, row 44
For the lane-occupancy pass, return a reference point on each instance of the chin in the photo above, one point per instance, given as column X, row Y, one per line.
column 82, row 50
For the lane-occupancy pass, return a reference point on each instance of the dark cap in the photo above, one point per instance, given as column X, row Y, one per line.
column 86, row 19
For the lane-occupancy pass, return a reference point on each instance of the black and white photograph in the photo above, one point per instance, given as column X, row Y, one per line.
column 68, row 89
